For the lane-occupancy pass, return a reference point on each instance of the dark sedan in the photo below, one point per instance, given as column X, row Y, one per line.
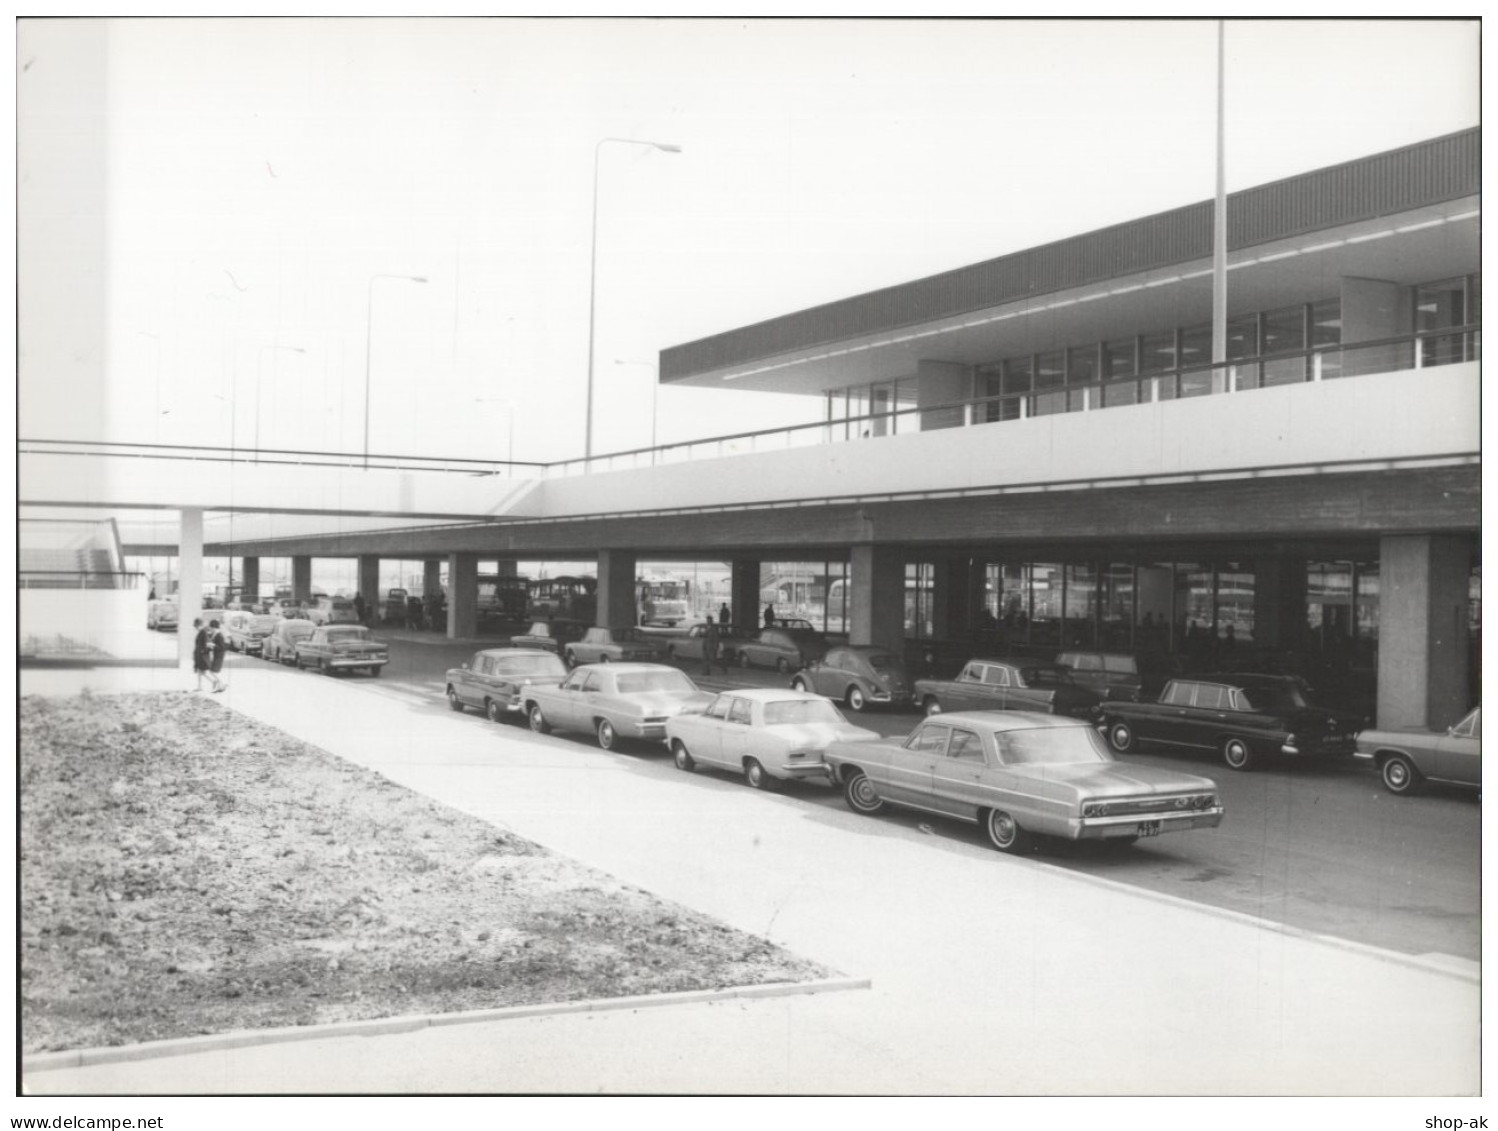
column 784, row 649
column 495, row 680
column 1243, row 717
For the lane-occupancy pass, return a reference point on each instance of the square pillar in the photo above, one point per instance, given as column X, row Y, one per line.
column 616, row 589
column 462, row 595
column 189, row 582
column 301, row 578
column 369, row 586
column 876, row 606
column 744, row 594
column 953, row 602
column 1422, row 636
column 251, row 571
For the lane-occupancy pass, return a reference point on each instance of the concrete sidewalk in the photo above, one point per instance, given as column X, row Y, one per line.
column 990, row 975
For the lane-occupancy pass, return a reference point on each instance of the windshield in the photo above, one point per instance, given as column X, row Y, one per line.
column 1043, row 676
column 794, row 711
column 298, row 631
column 654, row 681
column 264, row 624
column 346, row 635
column 537, row 663
column 1052, row 746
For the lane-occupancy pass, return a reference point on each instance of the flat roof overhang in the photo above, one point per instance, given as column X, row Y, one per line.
column 1408, row 216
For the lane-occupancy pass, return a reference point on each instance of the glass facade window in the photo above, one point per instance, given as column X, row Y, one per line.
column 1080, row 602
column 920, row 587
column 1196, row 349
column 1326, row 330
column 1234, row 606
column 1050, row 377
column 1014, row 603
column 1437, row 306
column 1019, row 375
column 1157, row 352
column 1047, row 586
column 1082, row 365
column 1118, row 358
column 1116, row 606
column 1284, row 331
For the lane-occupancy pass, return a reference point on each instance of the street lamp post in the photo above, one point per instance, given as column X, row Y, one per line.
column 368, row 343
column 260, row 381
column 593, row 272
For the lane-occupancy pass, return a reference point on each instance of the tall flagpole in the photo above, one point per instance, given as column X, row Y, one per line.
column 1220, row 238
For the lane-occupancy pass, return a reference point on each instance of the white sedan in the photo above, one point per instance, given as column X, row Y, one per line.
column 764, row 733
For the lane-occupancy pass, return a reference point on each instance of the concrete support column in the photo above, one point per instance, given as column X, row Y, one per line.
column 1280, row 603
column 369, row 585
column 954, row 607
column 301, row 578
column 462, row 595
column 251, row 583
column 431, row 577
column 744, row 594
column 616, row 589
column 1422, row 636
column 189, row 581
column 876, row 607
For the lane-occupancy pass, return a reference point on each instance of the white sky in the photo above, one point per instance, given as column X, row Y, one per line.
column 260, row 172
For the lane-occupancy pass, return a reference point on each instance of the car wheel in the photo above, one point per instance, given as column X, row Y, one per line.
column 608, row 737
column 453, row 701
column 493, row 711
column 1004, row 832
column 1399, row 774
column 782, row 665
column 538, row 720
column 682, row 757
column 860, row 795
column 374, row 671
column 856, row 700
column 798, row 684
column 756, row 776
column 1121, row 737
column 1236, row 753
column 932, row 705
column 605, row 659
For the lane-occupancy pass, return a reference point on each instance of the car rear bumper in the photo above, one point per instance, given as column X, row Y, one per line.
column 800, row 769
column 1141, row 824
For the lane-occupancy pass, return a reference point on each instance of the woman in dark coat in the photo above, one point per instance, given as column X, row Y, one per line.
column 216, row 664
column 200, row 651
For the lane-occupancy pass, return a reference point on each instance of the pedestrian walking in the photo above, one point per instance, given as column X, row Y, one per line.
column 200, row 649
column 360, row 607
column 769, row 616
column 710, row 648
column 724, row 620
column 217, row 646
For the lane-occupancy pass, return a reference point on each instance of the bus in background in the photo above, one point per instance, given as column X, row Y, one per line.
column 503, row 597
column 570, row 598
column 663, row 603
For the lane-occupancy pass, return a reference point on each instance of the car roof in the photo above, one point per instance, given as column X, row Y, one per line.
column 512, row 652
column 628, row 669
column 770, row 694
column 1008, row 720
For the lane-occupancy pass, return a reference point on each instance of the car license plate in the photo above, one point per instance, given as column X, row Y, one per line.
column 1148, row 828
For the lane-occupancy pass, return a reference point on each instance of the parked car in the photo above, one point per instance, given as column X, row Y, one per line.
column 858, row 675
column 495, row 680
column 613, row 701
column 1406, row 758
column 394, row 607
column 767, row 734
column 610, row 645
column 292, row 608
column 689, row 646
column 1022, row 774
column 342, row 647
column 1007, row 685
column 784, row 649
column 332, row 610
column 1240, row 715
column 1121, row 675
column 162, row 615
column 245, row 631
column 280, row 645
column 550, row 635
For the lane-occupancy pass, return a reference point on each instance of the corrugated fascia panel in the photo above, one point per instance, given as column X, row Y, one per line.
column 1444, row 168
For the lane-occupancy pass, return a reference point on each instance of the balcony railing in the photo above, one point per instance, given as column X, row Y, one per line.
column 1242, row 375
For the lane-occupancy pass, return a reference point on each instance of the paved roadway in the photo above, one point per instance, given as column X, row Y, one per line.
column 1318, row 846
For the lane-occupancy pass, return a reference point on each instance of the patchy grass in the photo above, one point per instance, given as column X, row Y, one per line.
column 185, row 870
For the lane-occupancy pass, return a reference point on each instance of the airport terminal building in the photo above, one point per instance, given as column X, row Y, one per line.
column 1036, row 453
